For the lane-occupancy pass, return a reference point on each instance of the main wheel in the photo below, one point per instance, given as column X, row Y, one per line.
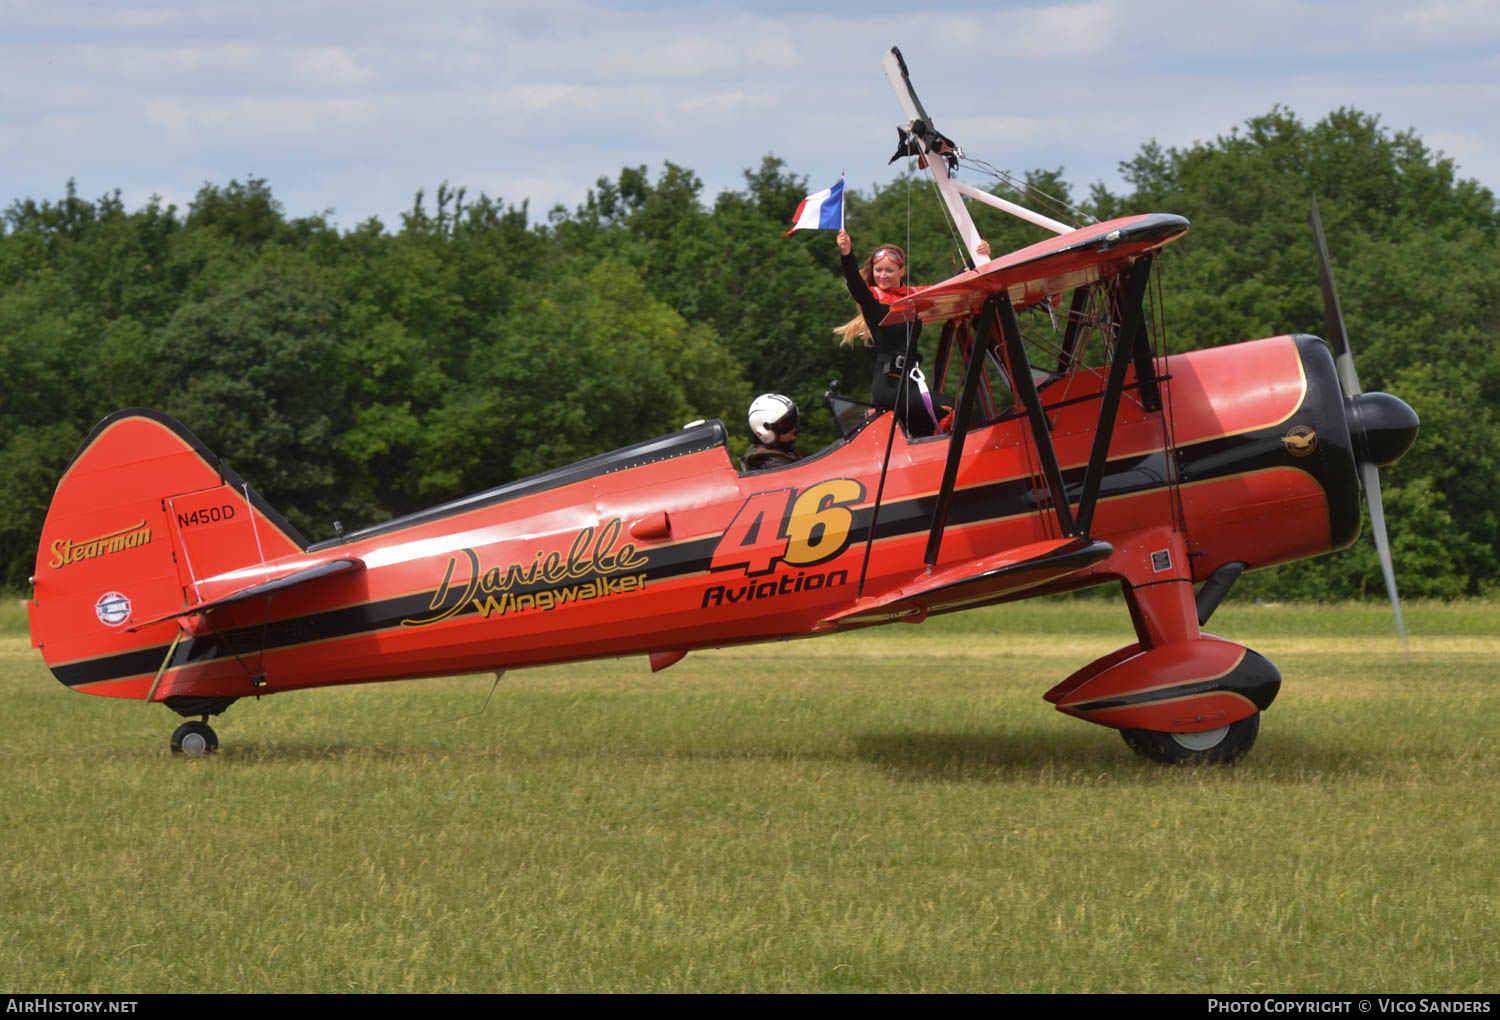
column 1210, row 747
column 194, row 739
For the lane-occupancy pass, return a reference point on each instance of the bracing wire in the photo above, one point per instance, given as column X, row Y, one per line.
column 902, row 397
column 1158, row 310
column 943, row 210
column 468, row 715
column 1023, row 187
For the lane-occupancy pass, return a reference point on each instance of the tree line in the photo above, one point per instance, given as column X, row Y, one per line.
column 355, row 375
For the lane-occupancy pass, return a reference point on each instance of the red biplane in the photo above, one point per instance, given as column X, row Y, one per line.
column 163, row 576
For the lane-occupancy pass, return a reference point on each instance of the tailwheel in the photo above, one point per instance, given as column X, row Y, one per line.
column 195, row 739
column 1222, row 746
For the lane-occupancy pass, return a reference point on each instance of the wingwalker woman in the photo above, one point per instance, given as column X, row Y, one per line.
column 898, row 383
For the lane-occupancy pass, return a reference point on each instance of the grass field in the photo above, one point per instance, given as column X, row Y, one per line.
column 896, row 810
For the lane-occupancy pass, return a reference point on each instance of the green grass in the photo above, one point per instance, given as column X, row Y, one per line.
column 895, row 810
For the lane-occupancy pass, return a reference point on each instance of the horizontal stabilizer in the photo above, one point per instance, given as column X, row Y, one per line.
column 145, row 520
column 291, row 580
column 985, row 580
column 1044, row 269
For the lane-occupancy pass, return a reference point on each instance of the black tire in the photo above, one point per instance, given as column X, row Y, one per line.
column 1232, row 744
column 194, row 739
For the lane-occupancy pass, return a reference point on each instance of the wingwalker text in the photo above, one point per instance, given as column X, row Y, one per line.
column 592, row 561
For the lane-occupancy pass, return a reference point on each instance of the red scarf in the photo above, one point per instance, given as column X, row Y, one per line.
column 890, row 297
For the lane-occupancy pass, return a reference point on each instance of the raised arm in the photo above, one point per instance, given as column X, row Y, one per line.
column 869, row 304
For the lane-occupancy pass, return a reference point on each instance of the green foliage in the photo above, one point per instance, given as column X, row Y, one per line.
column 257, row 371
column 594, row 362
column 361, row 375
column 31, row 462
column 1416, row 256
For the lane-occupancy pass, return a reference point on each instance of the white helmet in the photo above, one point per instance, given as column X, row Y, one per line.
column 771, row 414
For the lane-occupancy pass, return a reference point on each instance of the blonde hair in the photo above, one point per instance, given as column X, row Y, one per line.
column 857, row 327
column 853, row 329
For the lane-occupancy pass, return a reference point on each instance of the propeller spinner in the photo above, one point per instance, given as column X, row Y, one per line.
column 1382, row 426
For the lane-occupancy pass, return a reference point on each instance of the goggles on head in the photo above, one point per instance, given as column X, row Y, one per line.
column 890, row 253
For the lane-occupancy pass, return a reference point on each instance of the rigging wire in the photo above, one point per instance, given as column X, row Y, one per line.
column 1027, row 189
column 1174, row 479
column 890, row 439
column 468, row 715
column 943, row 210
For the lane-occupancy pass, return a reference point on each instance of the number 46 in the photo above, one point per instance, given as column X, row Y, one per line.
column 802, row 530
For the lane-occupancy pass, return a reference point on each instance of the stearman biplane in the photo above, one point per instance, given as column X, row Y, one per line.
column 163, row 576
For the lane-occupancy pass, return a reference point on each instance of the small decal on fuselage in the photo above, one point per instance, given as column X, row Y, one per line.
column 1300, row 441
column 1161, row 560
column 112, row 608
column 66, row 550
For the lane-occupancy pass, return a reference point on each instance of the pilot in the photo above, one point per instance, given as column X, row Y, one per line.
column 897, row 385
column 773, row 423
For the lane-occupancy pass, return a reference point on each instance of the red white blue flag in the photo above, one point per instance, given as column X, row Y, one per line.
column 823, row 210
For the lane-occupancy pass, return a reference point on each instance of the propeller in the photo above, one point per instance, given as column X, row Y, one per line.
column 1382, row 426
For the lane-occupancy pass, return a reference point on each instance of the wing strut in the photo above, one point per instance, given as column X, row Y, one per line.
column 1145, row 370
column 999, row 317
column 960, row 429
column 1024, row 385
column 1128, row 342
column 945, row 349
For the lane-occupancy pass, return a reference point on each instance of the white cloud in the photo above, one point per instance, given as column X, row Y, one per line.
column 723, row 104
column 356, row 105
column 142, row 65
column 328, row 66
column 1070, row 31
column 1441, row 22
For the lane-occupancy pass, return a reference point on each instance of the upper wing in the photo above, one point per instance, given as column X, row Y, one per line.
column 1045, row 268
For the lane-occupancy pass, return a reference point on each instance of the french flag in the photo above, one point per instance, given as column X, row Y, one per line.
column 821, row 211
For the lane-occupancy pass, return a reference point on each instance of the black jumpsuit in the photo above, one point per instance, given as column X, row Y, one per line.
column 892, row 386
column 768, row 455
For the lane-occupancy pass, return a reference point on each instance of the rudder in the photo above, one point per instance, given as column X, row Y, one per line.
column 146, row 521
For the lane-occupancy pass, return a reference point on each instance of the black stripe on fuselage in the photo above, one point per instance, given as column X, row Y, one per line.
column 1215, row 458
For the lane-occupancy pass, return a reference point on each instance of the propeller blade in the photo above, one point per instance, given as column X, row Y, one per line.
column 1369, row 472
column 1370, row 475
column 1338, row 339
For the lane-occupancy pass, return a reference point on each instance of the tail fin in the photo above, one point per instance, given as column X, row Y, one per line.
column 146, row 521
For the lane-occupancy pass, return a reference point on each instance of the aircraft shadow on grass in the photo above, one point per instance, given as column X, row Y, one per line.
column 995, row 756
column 984, row 755
column 978, row 756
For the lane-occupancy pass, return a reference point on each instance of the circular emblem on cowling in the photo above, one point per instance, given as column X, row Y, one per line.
column 1300, row 441
column 112, row 608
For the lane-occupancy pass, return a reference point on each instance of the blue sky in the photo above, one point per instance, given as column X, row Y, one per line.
column 353, row 106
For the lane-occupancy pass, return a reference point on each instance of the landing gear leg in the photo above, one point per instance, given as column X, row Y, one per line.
column 1178, row 696
column 195, row 739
